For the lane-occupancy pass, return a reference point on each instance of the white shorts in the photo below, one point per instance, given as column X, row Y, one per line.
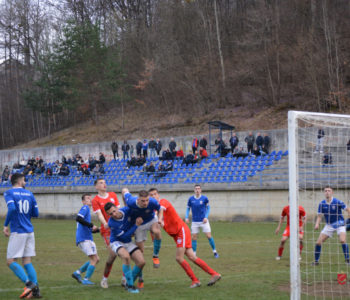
column 130, row 247
column 197, row 225
column 141, row 231
column 21, row 245
column 88, row 247
column 328, row 230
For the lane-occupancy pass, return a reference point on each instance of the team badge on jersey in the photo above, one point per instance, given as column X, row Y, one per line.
column 179, row 241
column 112, row 200
column 333, row 206
column 201, row 202
column 148, row 211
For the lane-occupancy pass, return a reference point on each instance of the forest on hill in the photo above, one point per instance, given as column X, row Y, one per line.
column 131, row 62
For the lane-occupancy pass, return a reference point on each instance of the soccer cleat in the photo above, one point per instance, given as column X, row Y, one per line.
column 30, row 295
column 132, row 289
column 140, row 284
column 87, row 282
column 347, row 262
column 278, row 257
column 216, row 255
column 195, row 284
column 28, row 289
column 214, row 279
column 77, row 277
column 315, row 263
column 156, row 263
column 104, row 283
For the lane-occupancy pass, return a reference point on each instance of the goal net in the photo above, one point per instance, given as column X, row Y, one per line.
column 318, row 159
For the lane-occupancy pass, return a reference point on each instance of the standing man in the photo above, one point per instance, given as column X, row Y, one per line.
column 98, row 204
column 125, row 149
column 21, row 206
column 331, row 208
column 259, row 141
column 200, row 213
column 250, row 140
column 203, row 143
column 115, row 148
column 152, row 148
column 85, row 241
column 267, row 142
column 145, row 148
column 179, row 231
column 158, row 146
column 286, row 232
column 172, row 147
column 234, row 142
column 194, row 145
column 319, row 142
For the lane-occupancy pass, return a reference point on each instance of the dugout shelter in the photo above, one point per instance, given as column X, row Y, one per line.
column 215, row 126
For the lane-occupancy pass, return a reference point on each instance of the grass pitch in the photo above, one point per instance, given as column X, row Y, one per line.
column 247, row 265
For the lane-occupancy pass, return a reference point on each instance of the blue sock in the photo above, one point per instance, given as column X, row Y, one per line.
column 212, row 243
column 19, row 271
column 140, row 274
column 194, row 245
column 156, row 246
column 317, row 252
column 135, row 272
column 346, row 251
column 31, row 273
column 84, row 267
column 128, row 275
column 90, row 270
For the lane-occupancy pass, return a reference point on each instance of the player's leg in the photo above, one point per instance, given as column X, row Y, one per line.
column 207, row 231
column 301, row 243
column 110, row 260
column 194, row 230
column 281, row 246
column 155, row 229
column 94, row 259
column 180, row 259
column 342, row 240
column 137, row 257
column 126, row 260
column 77, row 273
column 324, row 235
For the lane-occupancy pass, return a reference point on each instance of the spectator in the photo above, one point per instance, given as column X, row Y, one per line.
column 319, row 141
column 125, row 149
column 152, row 148
column 98, row 170
column 56, row 169
column 92, row 162
column 149, row 169
column 172, row 147
column 234, row 142
column 132, row 162
column 48, row 172
column 39, row 169
column 166, row 155
column 348, row 146
column 5, row 174
column 256, row 151
column 169, row 167
column 158, row 146
column 69, row 161
column 266, row 144
column 259, row 141
column 64, row 160
column 139, row 148
column 203, row 153
column 115, row 149
column 221, row 149
column 85, row 171
column 194, row 145
column 64, row 170
column 179, row 154
column 203, row 143
column 160, row 171
column 102, row 158
column 131, row 150
column 327, row 158
column 250, row 139
column 140, row 161
column 189, row 159
column 144, row 148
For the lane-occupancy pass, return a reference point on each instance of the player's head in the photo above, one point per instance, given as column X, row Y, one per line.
column 197, row 189
column 153, row 192
column 100, row 185
column 18, row 180
column 111, row 209
column 143, row 199
column 328, row 192
column 86, row 199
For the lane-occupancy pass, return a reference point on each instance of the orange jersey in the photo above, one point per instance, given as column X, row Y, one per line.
column 172, row 221
column 302, row 213
column 98, row 204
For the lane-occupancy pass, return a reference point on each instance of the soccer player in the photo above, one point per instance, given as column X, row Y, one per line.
column 122, row 229
column 85, row 242
column 200, row 212
column 331, row 208
column 179, row 231
column 286, row 232
column 98, row 204
column 22, row 207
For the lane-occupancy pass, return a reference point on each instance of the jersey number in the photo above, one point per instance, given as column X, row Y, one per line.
column 23, row 206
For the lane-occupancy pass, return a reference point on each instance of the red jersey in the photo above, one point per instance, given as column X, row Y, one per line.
column 302, row 213
column 172, row 221
column 98, row 204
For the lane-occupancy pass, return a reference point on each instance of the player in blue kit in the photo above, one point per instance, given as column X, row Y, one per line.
column 22, row 207
column 122, row 227
column 200, row 213
column 85, row 242
column 331, row 208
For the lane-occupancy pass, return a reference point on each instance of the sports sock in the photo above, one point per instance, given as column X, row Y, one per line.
column 135, row 273
column 186, row 266
column 194, row 245
column 128, row 275
column 280, row 251
column 19, row 271
column 31, row 273
column 204, row 266
column 90, row 270
column 345, row 251
column 83, row 268
column 107, row 271
column 212, row 243
column 317, row 252
column 301, row 247
column 140, row 275
column 156, row 246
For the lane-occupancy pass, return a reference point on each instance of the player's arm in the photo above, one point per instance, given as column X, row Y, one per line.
column 102, row 219
column 318, row 221
column 188, row 209
column 125, row 191
column 207, row 211
column 35, row 210
column 279, row 224
column 11, row 210
column 161, row 216
column 133, row 228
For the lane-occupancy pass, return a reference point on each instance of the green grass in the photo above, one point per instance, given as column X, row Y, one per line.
column 247, row 265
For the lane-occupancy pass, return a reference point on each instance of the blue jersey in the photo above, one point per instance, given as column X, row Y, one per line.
column 332, row 212
column 84, row 233
column 147, row 214
column 199, row 207
column 22, row 207
column 122, row 229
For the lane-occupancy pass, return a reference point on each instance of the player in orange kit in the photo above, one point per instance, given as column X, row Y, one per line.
column 98, row 204
column 177, row 228
column 286, row 232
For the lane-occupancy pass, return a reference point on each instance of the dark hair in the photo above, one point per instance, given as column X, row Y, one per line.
column 109, row 205
column 16, row 177
column 97, row 180
column 197, row 185
column 153, row 189
column 143, row 193
column 327, row 187
column 83, row 196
